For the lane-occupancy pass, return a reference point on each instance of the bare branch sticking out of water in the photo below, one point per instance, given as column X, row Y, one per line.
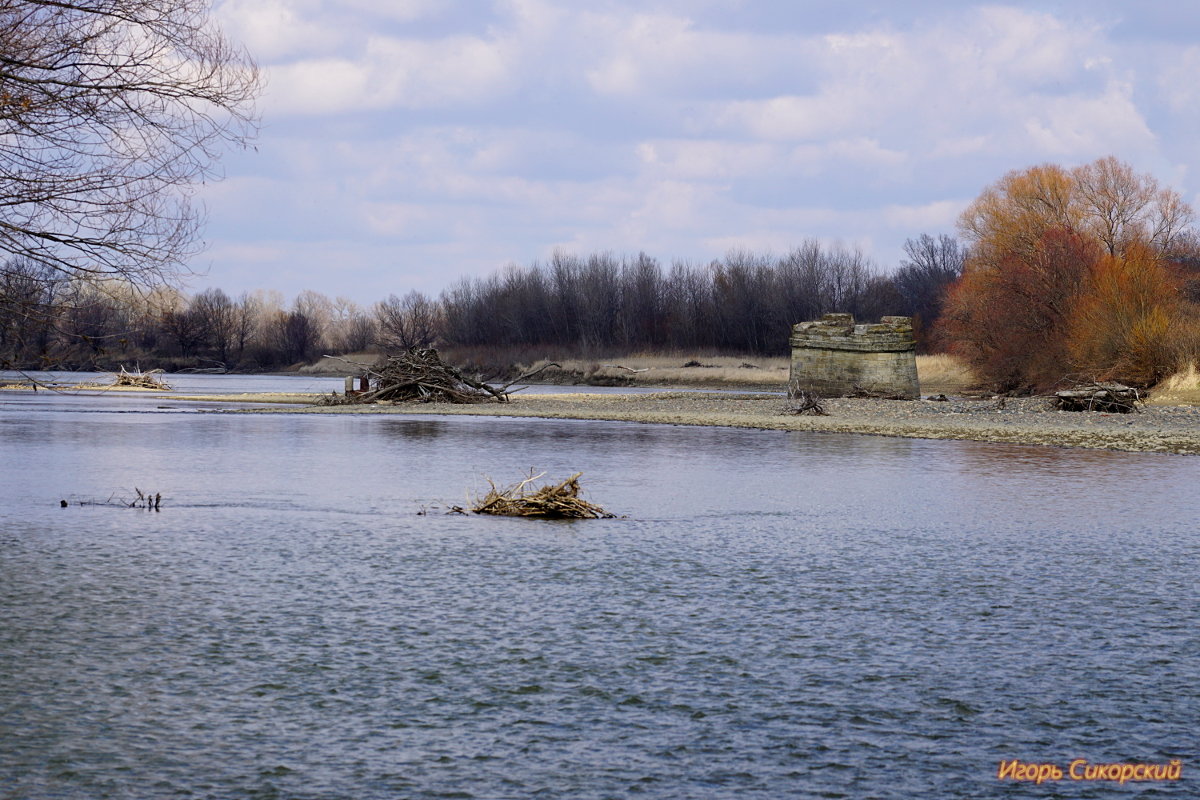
column 143, row 500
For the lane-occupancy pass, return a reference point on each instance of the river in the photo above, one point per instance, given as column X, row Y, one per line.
column 775, row 614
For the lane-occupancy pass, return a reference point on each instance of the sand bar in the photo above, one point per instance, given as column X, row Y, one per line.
column 1160, row 429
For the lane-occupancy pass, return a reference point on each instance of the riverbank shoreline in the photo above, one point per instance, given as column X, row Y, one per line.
column 1159, row 427
column 1032, row 421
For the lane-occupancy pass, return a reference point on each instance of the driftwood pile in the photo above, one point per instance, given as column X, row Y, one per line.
column 419, row 375
column 141, row 380
column 1111, row 398
column 552, row 501
column 803, row 402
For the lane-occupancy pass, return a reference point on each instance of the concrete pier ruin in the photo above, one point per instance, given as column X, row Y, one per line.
column 834, row 357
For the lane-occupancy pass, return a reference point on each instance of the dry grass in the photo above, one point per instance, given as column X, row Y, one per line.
column 1182, row 388
column 1184, row 380
column 944, row 374
column 669, row 369
column 331, row 365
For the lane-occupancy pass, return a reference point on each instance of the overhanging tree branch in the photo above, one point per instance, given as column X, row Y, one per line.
column 111, row 111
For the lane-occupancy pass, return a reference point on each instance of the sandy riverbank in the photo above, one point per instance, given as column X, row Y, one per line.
column 1162, row 429
column 72, row 388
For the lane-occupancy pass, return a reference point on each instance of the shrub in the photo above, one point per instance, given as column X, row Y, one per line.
column 1126, row 326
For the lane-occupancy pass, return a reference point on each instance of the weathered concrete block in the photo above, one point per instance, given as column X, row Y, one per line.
column 834, row 357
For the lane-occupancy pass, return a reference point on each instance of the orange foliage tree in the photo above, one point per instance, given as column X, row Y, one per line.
column 1007, row 321
column 1069, row 275
column 1125, row 326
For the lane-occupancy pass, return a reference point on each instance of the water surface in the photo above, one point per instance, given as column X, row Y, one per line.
column 778, row 614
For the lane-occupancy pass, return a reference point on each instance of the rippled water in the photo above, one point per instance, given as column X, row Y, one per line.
column 778, row 615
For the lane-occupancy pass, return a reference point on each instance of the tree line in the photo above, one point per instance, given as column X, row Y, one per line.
column 745, row 302
column 600, row 303
column 111, row 111
column 1084, row 273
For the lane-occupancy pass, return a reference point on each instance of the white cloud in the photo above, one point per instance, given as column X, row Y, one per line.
column 399, row 219
column 1082, row 128
column 654, row 53
column 458, row 136
column 996, row 79
column 939, row 215
column 396, row 10
column 275, row 29
column 1177, row 82
column 709, row 159
column 393, row 73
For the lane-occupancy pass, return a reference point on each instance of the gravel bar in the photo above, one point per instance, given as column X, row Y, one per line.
column 1159, row 429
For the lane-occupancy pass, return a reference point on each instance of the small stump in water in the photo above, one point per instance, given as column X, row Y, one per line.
column 552, row 501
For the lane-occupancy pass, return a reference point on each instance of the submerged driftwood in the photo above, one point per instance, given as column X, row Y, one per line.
column 552, row 501
column 145, row 500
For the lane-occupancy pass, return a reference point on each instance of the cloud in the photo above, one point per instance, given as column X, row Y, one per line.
column 393, row 73
column 652, row 54
column 456, row 136
column 1177, row 82
column 1081, row 128
column 940, row 215
column 992, row 79
column 276, row 29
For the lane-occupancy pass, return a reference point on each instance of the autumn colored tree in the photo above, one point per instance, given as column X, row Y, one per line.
column 1009, row 320
column 1069, row 272
column 1124, row 327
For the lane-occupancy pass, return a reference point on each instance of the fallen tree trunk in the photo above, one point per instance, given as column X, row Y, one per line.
column 1112, row 398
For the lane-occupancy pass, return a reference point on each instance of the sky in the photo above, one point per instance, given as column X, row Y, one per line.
column 408, row 143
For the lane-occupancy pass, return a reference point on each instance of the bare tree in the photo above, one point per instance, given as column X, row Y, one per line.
column 110, row 110
column 406, row 322
column 28, row 297
column 246, row 313
column 932, row 265
column 216, row 315
column 181, row 325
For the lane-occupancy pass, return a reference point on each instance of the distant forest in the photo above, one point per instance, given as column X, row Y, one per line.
column 600, row 303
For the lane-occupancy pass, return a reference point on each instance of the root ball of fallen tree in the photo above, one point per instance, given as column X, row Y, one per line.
column 552, row 501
